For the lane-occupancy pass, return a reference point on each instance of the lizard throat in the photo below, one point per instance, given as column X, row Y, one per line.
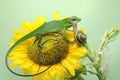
column 53, row 49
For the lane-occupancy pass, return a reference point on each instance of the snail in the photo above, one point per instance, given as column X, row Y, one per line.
column 80, row 37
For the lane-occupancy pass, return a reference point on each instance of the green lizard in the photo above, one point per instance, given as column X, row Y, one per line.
column 48, row 27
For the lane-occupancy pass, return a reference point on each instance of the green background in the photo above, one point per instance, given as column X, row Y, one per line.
column 97, row 16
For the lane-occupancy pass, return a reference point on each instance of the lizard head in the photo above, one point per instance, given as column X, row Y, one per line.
column 74, row 18
column 70, row 20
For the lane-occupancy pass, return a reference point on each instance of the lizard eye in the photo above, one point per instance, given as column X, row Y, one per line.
column 69, row 22
column 73, row 19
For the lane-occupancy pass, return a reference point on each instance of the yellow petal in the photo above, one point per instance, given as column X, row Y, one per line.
column 56, row 15
column 20, row 56
column 35, row 68
column 83, row 31
column 27, row 26
column 60, row 78
column 68, row 66
column 70, row 35
column 61, row 71
column 44, row 68
column 77, row 55
column 18, row 35
column 26, row 71
column 39, row 22
column 43, row 76
column 26, row 64
column 52, row 73
column 76, row 51
column 33, row 78
column 11, row 43
column 64, row 17
column 75, row 63
column 19, row 50
column 13, row 64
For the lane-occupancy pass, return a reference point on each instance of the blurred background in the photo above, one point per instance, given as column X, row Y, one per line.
column 97, row 17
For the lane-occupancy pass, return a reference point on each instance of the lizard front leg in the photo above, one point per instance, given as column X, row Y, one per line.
column 39, row 38
column 65, row 37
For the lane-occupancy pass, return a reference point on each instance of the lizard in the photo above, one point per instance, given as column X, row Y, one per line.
column 47, row 27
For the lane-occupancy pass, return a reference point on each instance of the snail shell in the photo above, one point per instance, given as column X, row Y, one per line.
column 80, row 37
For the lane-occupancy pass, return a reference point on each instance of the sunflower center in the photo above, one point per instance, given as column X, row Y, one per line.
column 53, row 49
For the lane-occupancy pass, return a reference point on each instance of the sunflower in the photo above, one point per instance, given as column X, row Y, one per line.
column 55, row 51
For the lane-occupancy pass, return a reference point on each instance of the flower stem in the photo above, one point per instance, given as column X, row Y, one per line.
column 109, row 36
column 96, row 66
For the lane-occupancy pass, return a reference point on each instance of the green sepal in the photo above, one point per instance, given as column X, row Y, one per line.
column 78, row 74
